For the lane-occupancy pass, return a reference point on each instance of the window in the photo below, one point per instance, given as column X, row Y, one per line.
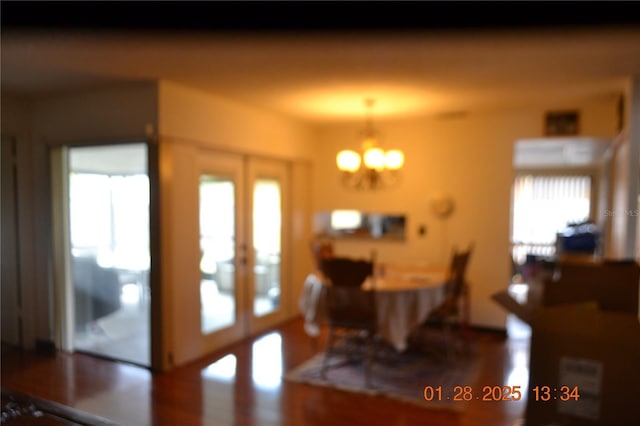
column 544, row 205
column 110, row 219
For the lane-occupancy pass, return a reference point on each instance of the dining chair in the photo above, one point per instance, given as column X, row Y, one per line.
column 351, row 310
column 452, row 315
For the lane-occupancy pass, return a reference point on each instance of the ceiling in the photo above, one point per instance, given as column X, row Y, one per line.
column 321, row 77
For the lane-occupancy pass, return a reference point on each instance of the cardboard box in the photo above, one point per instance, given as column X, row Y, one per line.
column 614, row 285
column 586, row 348
column 586, row 336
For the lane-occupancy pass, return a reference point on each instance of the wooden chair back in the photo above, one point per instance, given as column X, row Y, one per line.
column 457, row 272
column 346, row 272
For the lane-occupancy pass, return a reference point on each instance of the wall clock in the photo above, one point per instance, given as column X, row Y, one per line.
column 442, row 205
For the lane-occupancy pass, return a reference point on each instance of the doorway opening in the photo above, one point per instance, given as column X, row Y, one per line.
column 555, row 190
column 105, row 231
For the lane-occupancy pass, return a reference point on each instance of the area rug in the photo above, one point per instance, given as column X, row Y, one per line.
column 403, row 377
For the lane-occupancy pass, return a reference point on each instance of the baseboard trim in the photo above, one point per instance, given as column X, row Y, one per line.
column 502, row 332
column 47, row 347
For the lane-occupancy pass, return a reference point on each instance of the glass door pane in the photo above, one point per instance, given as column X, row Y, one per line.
column 217, row 246
column 268, row 288
column 267, row 230
column 222, row 251
column 109, row 242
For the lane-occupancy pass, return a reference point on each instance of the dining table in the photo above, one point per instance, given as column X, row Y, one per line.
column 405, row 295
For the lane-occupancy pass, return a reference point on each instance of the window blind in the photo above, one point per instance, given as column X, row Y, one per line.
column 544, row 205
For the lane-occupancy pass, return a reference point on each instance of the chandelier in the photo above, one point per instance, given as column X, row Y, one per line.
column 374, row 168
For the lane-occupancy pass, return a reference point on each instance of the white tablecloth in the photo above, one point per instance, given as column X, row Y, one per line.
column 404, row 299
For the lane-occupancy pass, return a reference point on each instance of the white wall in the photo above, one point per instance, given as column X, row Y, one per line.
column 633, row 92
column 468, row 157
column 196, row 117
column 625, row 180
column 106, row 115
column 618, row 216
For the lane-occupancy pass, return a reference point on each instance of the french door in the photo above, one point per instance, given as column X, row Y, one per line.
column 241, row 207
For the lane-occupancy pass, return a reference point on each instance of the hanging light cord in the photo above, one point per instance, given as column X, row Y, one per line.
column 369, row 117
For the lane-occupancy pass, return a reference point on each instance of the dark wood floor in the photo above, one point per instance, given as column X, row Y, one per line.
column 243, row 386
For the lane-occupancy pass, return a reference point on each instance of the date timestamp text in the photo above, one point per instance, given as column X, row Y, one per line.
column 500, row 393
column 466, row 393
